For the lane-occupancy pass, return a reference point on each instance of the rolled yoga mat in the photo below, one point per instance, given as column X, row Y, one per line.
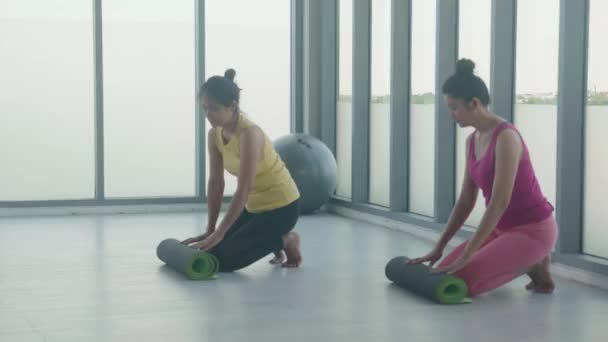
column 194, row 263
column 441, row 288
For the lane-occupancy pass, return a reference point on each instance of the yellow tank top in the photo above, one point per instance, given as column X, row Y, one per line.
column 273, row 185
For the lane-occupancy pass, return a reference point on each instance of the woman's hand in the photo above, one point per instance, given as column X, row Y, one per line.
column 199, row 238
column 431, row 257
column 456, row 266
column 210, row 241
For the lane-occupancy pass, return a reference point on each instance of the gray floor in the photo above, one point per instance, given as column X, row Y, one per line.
column 96, row 278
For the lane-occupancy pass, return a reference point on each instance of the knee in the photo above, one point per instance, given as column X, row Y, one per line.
column 473, row 275
column 480, row 281
column 221, row 258
column 473, row 283
column 225, row 264
column 225, row 269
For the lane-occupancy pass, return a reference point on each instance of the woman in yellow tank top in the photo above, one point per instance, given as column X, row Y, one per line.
column 265, row 207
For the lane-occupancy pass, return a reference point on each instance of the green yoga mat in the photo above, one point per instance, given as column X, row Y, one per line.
column 441, row 288
column 194, row 263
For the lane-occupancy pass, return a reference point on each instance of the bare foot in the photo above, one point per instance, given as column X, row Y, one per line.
column 291, row 246
column 542, row 282
column 278, row 259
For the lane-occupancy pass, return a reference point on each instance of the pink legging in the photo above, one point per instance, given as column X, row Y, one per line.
column 505, row 255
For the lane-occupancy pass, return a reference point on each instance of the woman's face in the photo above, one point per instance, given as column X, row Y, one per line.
column 217, row 113
column 462, row 113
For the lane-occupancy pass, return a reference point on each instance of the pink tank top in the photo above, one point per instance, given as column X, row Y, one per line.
column 528, row 204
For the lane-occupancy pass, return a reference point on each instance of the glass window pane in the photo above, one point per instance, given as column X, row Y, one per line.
column 47, row 139
column 344, row 122
column 379, row 167
column 149, row 98
column 595, row 234
column 536, row 86
column 252, row 37
column 474, row 42
column 422, row 113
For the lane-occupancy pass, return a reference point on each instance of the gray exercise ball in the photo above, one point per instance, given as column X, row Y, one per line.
column 312, row 166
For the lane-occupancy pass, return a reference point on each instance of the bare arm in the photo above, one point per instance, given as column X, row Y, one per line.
column 464, row 205
column 252, row 142
column 215, row 188
column 215, row 185
column 462, row 209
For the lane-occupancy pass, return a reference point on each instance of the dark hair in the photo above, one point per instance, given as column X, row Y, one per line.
column 464, row 84
column 222, row 89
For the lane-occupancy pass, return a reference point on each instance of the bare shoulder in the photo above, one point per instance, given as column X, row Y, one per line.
column 252, row 134
column 252, row 131
column 212, row 133
column 509, row 136
column 509, row 140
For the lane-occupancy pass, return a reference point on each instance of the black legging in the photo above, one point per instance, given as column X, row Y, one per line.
column 253, row 236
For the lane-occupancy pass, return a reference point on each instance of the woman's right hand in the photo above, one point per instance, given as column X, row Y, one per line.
column 198, row 238
column 431, row 257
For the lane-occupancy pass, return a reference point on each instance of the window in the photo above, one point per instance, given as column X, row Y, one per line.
column 380, row 114
column 474, row 42
column 261, row 59
column 595, row 235
column 149, row 98
column 536, row 86
column 344, row 112
column 422, row 113
column 47, row 137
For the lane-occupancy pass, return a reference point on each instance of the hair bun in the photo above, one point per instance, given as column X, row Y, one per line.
column 229, row 74
column 465, row 66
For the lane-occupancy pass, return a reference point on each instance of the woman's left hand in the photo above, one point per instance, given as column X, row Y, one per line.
column 211, row 241
column 457, row 265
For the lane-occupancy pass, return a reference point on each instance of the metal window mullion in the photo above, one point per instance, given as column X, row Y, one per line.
column 502, row 64
column 98, row 111
column 297, row 66
column 571, row 102
column 329, row 65
column 200, row 133
column 361, row 100
column 400, row 104
column 445, row 130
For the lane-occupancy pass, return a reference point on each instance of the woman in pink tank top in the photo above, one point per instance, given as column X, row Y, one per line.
column 518, row 230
